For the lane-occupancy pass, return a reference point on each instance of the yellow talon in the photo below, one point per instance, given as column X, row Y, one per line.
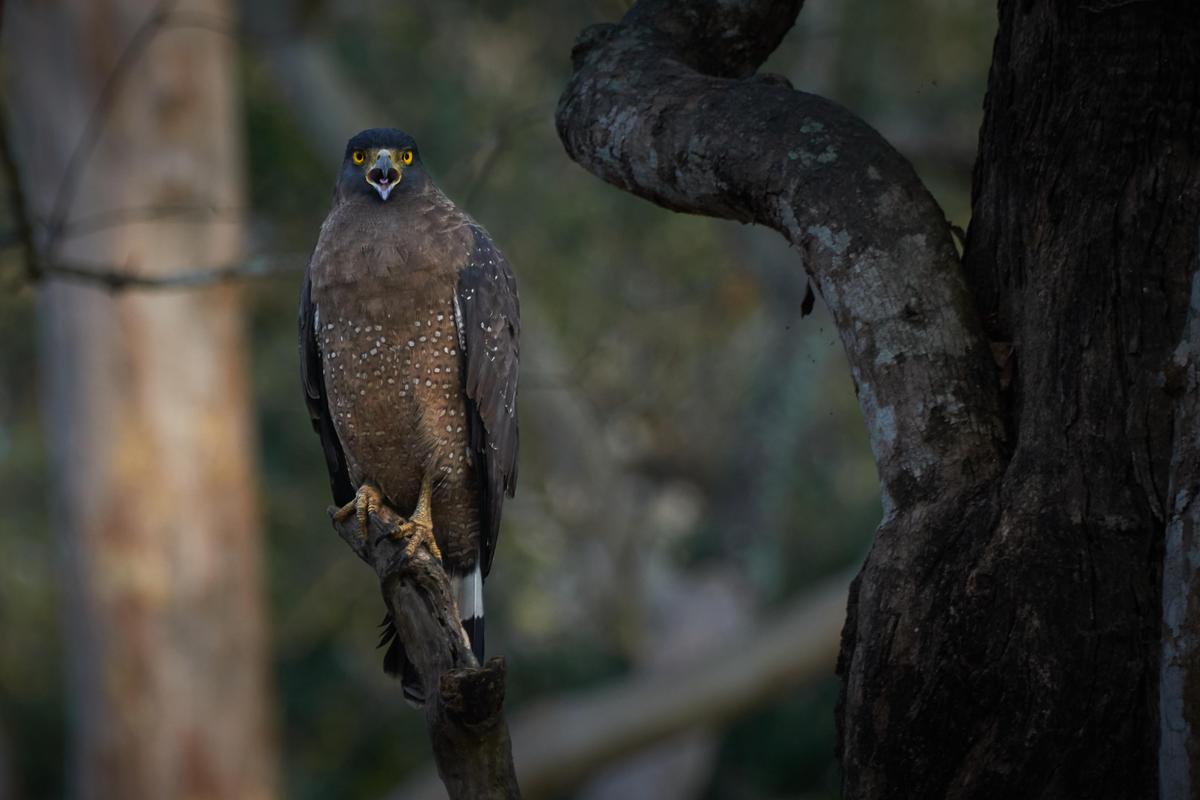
column 419, row 527
column 416, row 534
column 367, row 501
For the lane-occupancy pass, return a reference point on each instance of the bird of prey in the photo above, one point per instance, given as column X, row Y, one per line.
column 409, row 329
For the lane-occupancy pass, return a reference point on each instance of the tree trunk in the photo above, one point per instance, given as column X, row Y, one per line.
column 1033, row 672
column 122, row 111
column 1003, row 638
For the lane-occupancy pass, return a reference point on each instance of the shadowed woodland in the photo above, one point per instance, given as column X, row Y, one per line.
column 1009, row 316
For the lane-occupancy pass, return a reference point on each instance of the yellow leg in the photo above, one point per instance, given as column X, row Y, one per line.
column 419, row 527
column 367, row 500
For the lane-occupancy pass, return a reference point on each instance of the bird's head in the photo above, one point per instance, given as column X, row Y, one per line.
column 381, row 162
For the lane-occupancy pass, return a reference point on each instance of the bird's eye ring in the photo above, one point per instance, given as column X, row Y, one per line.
column 358, row 156
column 406, row 157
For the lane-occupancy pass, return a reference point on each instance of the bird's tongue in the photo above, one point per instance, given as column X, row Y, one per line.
column 384, row 178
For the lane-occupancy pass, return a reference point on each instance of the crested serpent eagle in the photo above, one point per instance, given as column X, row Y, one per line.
column 409, row 329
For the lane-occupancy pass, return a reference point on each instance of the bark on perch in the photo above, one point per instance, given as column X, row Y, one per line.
column 465, row 707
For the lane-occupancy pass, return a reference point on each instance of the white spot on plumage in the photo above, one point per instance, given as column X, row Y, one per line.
column 458, row 322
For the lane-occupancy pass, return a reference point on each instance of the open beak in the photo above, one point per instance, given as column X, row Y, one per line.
column 384, row 176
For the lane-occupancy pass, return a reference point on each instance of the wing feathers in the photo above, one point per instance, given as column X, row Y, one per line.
column 488, row 317
column 312, row 376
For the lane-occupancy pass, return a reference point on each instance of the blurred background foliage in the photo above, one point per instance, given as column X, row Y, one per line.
column 674, row 344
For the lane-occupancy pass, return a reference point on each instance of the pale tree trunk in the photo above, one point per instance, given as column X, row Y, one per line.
column 1031, row 407
column 145, row 394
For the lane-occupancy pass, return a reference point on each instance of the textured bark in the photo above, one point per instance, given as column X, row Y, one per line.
column 1002, row 638
column 146, row 402
column 642, row 117
column 1081, row 252
column 464, row 709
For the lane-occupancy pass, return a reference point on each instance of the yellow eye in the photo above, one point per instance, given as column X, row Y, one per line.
column 406, row 157
column 358, row 156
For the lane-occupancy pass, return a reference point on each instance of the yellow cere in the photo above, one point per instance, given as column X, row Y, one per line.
column 358, row 156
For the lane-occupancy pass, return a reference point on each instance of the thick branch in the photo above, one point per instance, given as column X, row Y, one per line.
column 650, row 110
column 653, row 110
column 464, row 709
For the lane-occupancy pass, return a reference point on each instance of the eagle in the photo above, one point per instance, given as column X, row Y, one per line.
column 409, row 348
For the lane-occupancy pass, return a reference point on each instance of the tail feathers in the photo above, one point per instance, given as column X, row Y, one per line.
column 396, row 663
column 470, row 607
column 469, row 590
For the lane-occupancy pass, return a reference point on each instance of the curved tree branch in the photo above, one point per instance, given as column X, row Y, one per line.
column 464, row 709
column 661, row 105
column 665, row 105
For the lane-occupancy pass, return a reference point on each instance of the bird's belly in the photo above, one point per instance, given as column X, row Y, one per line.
column 394, row 383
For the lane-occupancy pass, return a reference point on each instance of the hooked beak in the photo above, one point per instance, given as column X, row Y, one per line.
column 384, row 176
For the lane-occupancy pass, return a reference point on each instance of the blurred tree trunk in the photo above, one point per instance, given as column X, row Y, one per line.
column 1032, row 407
column 146, row 400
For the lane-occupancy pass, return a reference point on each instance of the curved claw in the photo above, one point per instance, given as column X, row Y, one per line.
column 417, row 532
column 367, row 501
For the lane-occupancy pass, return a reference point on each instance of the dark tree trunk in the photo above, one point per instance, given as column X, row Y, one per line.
column 1005, row 635
column 1039, row 674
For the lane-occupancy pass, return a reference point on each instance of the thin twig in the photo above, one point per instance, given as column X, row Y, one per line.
column 163, row 16
column 116, row 217
column 23, row 228
column 263, row 266
column 497, row 142
column 39, row 267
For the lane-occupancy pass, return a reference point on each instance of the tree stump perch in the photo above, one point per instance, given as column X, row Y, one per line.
column 464, row 706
